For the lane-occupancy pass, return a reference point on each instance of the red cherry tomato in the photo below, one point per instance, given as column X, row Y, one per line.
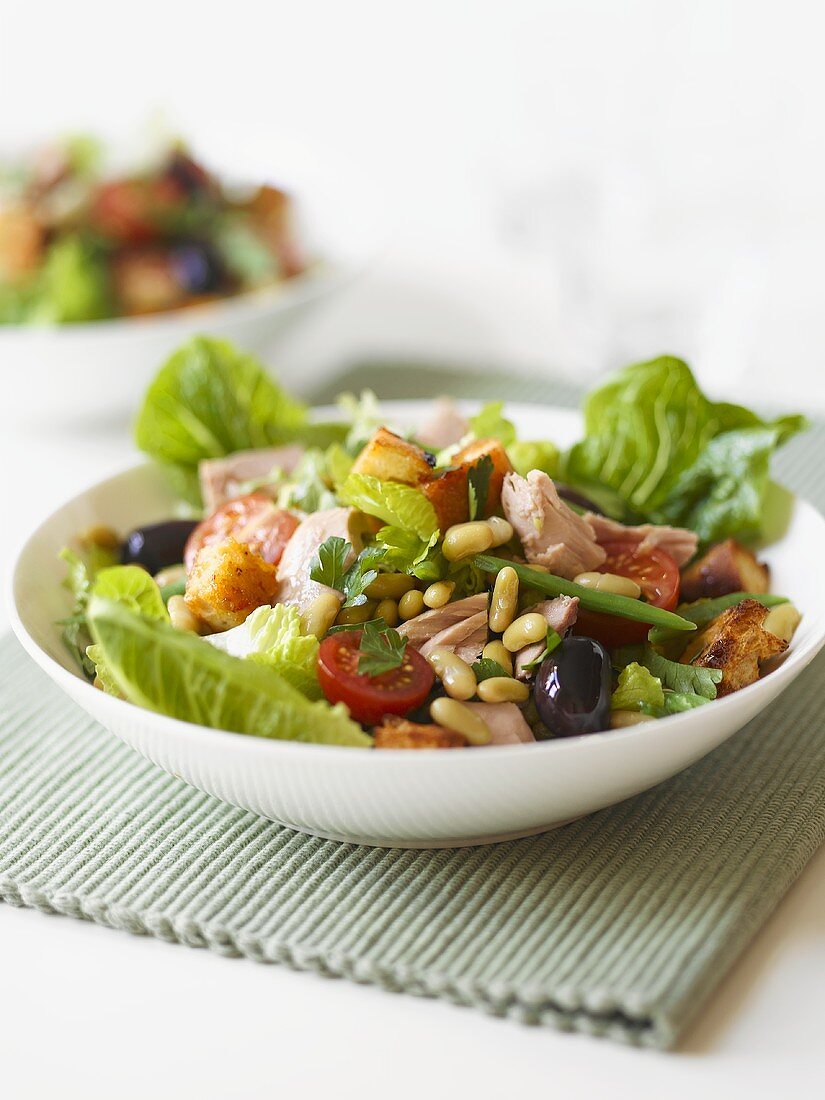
column 369, row 698
column 122, row 210
column 656, row 573
column 254, row 520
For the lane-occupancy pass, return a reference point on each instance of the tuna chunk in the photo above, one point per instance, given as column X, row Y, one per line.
column 459, row 624
column 223, row 479
column 560, row 614
column 677, row 541
column 445, row 427
column 552, row 534
column 294, row 584
column 505, row 721
column 466, row 638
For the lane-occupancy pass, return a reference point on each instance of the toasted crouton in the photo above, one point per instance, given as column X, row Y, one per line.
column 227, row 582
column 726, row 567
column 392, row 458
column 398, row 733
column 449, row 492
column 736, row 642
column 448, row 495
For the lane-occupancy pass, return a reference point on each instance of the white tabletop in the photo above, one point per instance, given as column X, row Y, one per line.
column 88, row 1012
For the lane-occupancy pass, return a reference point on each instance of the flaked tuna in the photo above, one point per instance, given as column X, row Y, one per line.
column 505, row 722
column 551, row 533
column 460, row 626
column 677, row 541
column 223, row 479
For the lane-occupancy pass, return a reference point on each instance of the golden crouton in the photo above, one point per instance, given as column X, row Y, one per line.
column 392, row 458
column 227, row 582
column 449, row 492
column 448, row 495
column 398, row 733
column 735, row 642
column 726, row 567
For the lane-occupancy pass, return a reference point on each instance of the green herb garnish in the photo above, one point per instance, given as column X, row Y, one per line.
column 478, row 485
column 380, row 650
column 486, row 668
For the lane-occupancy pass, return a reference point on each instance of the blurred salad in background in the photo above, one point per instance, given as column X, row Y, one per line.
column 78, row 244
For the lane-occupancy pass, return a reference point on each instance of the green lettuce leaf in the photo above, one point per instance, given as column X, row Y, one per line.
column 678, row 701
column 725, row 489
column 489, row 423
column 132, row 586
column 404, row 552
column 135, row 589
column 72, row 285
column 275, row 639
column 183, row 676
column 668, row 454
column 397, row 505
column 526, row 456
column 81, row 572
column 637, row 689
column 683, row 679
column 208, row 400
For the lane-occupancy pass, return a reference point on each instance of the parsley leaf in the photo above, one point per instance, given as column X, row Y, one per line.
column 328, row 566
column 486, row 668
column 478, row 485
column 553, row 640
column 682, row 679
column 358, row 577
column 380, row 650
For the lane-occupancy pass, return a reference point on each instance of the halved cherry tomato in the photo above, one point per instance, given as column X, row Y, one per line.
column 369, row 698
column 656, row 573
column 254, row 520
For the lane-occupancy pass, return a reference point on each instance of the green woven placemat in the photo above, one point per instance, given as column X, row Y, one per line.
column 617, row 925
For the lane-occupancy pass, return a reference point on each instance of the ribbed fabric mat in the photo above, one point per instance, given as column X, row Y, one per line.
column 617, row 925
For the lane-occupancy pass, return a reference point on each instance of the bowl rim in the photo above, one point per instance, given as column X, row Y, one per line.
column 318, row 279
column 793, row 663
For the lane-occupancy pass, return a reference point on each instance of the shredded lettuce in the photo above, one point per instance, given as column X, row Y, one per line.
column 180, row 675
column 208, row 400
column 397, row 505
column 668, row 454
column 637, row 689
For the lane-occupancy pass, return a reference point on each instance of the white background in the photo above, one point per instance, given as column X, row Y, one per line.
column 563, row 185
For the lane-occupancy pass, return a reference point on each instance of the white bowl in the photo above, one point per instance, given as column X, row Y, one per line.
column 398, row 798
column 79, row 374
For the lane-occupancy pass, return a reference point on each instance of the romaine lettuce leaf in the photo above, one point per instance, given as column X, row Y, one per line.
column 208, row 400
column 670, row 455
column 397, row 505
column 490, row 423
column 637, row 689
column 272, row 636
column 182, row 676
column 135, row 589
column 404, row 552
column 527, row 456
column 132, row 586
column 72, row 285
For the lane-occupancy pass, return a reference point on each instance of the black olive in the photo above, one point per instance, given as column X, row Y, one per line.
column 157, row 545
column 573, row 687
column 197, row 267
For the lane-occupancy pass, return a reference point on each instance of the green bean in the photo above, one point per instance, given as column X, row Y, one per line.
column 590, row 598
column 177, row 588
column 703, row 611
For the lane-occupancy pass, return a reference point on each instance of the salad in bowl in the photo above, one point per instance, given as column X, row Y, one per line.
column 446, row 585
